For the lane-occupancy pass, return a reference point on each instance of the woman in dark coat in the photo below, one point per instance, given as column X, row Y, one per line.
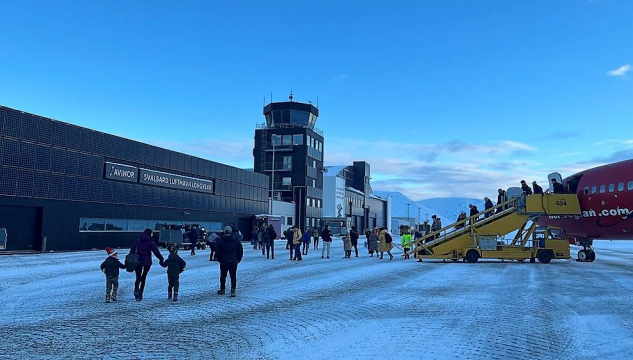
column 144, row 247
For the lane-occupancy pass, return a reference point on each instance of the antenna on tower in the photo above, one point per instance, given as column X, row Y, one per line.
column 264, row 104
column 317, row 102
column 290, row 97
column 271, row 97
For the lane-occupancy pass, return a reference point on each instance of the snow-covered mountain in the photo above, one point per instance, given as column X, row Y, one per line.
column 446, row 208
column 449, row 208
column 399, row 207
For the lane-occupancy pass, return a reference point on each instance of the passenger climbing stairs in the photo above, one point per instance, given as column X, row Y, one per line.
column 483, row 235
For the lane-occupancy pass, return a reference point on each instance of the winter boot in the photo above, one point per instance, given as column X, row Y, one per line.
column 175, row 295
column 136, row 294
column 232, row 292
column 221, row 292
column 107, row 298
column 113, row 297
column 168, row 294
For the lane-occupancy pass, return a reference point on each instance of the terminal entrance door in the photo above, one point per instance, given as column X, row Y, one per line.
column 24, row 226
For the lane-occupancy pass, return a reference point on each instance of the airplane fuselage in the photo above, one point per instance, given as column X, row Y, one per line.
column 605, row 194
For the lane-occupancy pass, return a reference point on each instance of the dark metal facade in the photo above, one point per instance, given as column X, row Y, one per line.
column 57, row 169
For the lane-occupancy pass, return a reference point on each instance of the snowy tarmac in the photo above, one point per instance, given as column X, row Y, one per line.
column 52, row 306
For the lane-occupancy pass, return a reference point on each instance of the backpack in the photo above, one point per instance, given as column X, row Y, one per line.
column 131, row 261
column 388, row 238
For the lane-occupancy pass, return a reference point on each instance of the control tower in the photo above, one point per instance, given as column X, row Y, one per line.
column 289, row 149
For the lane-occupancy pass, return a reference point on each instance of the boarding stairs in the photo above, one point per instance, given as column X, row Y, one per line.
column 517, row 214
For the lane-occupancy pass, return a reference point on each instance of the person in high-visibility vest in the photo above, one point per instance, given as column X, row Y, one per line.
column 405, row 241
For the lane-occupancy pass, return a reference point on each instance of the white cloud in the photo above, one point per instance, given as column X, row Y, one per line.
column 341, row 77
column 621, row 71
column 614, row 143
column 455, row 168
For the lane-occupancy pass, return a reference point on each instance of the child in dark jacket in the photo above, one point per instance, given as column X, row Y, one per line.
column 175, row 265
column 110, row 268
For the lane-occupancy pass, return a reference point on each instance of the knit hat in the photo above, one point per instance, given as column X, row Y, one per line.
column 112, row 253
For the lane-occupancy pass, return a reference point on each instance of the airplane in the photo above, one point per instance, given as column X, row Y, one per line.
column 605, row 194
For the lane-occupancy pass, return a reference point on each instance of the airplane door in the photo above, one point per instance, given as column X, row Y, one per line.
column 551, row 176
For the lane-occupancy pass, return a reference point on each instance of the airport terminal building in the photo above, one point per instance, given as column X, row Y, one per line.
column 78, row 188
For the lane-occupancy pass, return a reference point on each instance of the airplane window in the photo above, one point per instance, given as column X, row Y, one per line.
column 621, row 186
column 630, row 185
column 611, row 187
column 594, row 189
column 586, row 191
column 602, row 188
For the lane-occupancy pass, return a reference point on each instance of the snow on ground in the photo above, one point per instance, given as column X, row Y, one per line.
column 359, row 308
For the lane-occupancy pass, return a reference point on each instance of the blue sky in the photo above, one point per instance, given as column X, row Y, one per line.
column 443, row 98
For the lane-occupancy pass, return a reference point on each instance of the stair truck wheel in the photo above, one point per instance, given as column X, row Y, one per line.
column 472, row 256
column 591, row 255
column 582, row 255
column 545, row 256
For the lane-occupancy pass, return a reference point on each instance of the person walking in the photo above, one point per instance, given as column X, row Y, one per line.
column 460, row 217
column 347, row 246
column 327, row 241
column 353, row 236
column 229, row 254
column 254, row 238
column 367, row 237
column 289, row 234
column 488, row 205
column 212, row 242
column 110, row 267
column 436, row 225
column 537, row 188
column 307, row 236
column 315, row 232
column 526, row 189
column 501, row 198
column 558, row 187
column 144, row 247
column 175, row 265
column 385, row 243
column 192, row 235
column 374, row 242
column 296, row 243
column 271, row 236
column 405, row 242
column 262, row 233
column 473, row 214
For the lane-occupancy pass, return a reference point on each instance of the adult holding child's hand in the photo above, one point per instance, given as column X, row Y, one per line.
column 144, row 247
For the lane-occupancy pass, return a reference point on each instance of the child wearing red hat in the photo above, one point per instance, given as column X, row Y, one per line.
column 110, row 268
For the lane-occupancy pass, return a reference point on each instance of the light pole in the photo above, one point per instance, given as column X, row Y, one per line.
column 407, row 205
column 299, row 214
column 274, row 140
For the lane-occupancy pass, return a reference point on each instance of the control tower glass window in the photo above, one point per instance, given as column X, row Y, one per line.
column 276, row 140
